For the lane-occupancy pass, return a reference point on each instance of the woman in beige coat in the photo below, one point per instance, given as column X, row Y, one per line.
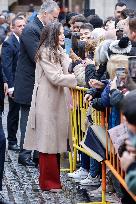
column 48, row 125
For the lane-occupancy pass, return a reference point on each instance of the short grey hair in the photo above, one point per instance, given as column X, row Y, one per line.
column 48, row 6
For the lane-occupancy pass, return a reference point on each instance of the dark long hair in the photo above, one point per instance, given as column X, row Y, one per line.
column 50, row 39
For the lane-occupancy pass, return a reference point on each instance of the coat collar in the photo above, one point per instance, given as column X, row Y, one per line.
column 38, row 22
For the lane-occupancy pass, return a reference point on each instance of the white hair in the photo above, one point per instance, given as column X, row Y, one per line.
column 48, row 6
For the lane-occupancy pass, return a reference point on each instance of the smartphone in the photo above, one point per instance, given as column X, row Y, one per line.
column 121, row 77
column 75, row 38
column 132, row 67
column 119, row 34
column 81, row 49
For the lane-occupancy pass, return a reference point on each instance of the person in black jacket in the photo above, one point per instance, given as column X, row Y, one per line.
column 25, row 74
column 9, row 58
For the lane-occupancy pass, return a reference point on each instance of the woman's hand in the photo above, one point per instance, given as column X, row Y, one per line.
column 113, row 84
column 127, row 159
column 5, row 89
column 73, row 56
column 94, row 83
column 87, row 97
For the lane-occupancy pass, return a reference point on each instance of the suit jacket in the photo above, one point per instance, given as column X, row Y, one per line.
column 25, row 74
column 9, row 58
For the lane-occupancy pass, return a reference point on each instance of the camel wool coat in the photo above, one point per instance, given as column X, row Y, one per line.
column 48, row 126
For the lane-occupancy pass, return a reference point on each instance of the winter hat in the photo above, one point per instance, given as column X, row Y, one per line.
column 101, row 52
column 98, row 33
column 122, row 46
column 79, row 71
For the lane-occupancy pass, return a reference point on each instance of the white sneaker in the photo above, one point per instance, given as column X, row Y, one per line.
column 90, row 181
column 80, row 174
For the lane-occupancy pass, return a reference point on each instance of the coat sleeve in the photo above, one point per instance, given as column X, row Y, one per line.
column 30, row 39
column 105, row 96
column 116, row 97
column 89, row 73
column 6, row 61
column 65, row 60
column 131, row 178
column 56, row 77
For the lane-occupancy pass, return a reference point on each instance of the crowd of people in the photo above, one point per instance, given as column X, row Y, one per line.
column 45, row 54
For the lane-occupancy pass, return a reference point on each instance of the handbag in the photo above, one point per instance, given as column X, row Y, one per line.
column 100, row 133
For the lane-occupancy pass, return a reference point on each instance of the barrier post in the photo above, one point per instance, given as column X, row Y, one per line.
column 74, row 159
column 103, row 182
column 70, row 162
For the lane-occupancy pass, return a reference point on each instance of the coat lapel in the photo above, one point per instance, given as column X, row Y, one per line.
column 38, row 22
column 15, row 42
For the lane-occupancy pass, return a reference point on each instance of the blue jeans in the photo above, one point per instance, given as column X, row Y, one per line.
column 94, row 168
column 90, row 164
column 85, row 161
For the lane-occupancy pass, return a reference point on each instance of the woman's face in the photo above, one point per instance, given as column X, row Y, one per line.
column 61, row 36
column 123, row 25
column 110, row 25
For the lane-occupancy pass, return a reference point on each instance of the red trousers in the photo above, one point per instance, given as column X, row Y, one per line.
column 49, row 165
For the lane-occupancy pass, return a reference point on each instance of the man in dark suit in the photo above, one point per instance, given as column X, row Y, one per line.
column 25, row 75
column 9, row 59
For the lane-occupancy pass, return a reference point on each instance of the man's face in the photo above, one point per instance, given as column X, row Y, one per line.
column 76, row 26
column 132, row 35
column 51, row 17
column 110, row 25
column 18, row 27
column 85, row 34
column 118, row 11
column 77, row 9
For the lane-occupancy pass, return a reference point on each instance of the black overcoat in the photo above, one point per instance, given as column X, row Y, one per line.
column 25, row 73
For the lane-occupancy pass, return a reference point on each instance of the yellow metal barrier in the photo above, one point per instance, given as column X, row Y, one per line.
column 78, row 116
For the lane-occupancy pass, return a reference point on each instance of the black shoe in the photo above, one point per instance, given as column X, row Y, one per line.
column 14, row 147
column 36, row 158
column 36, row 161
column 26, row 162
column 2, row 200
column 82, row 195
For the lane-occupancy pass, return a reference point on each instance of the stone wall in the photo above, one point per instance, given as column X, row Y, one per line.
column 3, row 5
column 103, row 8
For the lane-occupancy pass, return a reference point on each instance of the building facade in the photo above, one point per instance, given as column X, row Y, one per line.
column 103, row 8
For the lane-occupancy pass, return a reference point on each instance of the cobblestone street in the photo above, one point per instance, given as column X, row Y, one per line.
column 21, row 185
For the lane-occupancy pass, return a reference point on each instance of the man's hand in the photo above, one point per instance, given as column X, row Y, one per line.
column 87, row 97
column 127, row 159
column 95, row 84
column 5, row 89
